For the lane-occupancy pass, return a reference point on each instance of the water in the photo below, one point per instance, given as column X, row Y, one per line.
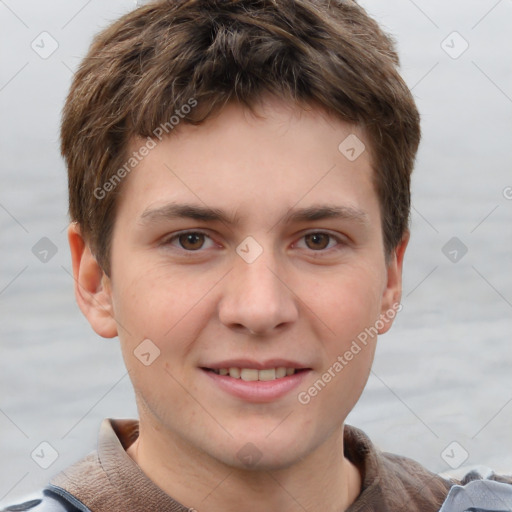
column 442, row 374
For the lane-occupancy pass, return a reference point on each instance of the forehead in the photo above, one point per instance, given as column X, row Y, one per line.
column 270, row 160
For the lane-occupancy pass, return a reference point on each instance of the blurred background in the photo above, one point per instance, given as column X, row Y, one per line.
column 441, row 387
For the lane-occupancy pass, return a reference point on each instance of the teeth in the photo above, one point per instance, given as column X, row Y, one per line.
column 280, row 372
column 248, row 374
column 234, row 372
column 252, row 374
column 269, row 374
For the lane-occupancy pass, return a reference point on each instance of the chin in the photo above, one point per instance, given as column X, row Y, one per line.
column 263, row 452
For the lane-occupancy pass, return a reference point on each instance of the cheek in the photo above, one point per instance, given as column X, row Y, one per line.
column 346, row 308
column 168, row 309
column 348, row 352
column 347, row 302
column 161, row 317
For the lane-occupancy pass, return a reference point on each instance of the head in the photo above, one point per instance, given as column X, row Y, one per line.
column 231, row 121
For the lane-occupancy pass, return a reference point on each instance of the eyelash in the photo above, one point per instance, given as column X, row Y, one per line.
column 339, row 241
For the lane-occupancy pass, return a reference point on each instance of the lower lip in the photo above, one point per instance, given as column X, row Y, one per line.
column 257, row 391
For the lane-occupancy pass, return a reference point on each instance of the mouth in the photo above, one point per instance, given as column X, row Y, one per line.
column 254, row 374
column 256, row 382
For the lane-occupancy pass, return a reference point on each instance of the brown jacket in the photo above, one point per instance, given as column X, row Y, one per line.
column 108, row 480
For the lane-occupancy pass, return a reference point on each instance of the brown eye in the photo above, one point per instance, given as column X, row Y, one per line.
column 317, row 241
column 191, row 241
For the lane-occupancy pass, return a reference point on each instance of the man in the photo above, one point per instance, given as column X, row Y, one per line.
column 239, row 183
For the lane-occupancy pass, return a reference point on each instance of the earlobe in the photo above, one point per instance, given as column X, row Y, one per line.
column 93, row 291
column 393, row 291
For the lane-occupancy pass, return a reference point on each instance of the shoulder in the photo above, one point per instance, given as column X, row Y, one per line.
column 49, row 500
column 402, row 476
column 470, row 489
column 479, row 488
column 391, row 480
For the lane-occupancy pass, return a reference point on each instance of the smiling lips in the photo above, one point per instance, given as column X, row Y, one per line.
column 256, row 381
column 253, row 374
column 257, row 385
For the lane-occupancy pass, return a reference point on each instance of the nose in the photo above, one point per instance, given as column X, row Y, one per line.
column 257, row 299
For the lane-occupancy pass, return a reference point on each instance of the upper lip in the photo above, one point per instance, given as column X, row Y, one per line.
column 248, row 363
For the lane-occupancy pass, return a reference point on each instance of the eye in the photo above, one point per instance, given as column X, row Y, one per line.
column 318, row 241
column 190, row 241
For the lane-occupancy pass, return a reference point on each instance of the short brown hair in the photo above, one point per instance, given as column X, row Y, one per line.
column 141, row 70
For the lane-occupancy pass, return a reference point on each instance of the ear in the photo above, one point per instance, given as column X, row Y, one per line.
column 393, row 290
column 93, row 291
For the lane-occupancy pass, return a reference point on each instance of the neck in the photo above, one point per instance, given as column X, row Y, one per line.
column 324, row 480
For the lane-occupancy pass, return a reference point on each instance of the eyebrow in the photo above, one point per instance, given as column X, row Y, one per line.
column 206, row 214
column 322, row 212
column 186, row 211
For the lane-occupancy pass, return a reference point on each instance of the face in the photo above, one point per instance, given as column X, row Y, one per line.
column 247, row 261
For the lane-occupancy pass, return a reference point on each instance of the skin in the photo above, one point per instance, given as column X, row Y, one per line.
column 304, row 298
